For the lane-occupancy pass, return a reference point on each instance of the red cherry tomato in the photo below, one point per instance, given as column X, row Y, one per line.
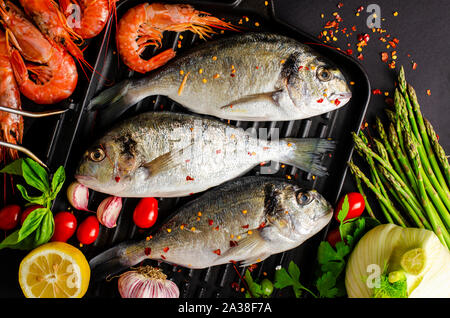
column 334, row 236
column 146, row 213
column 88, row 230
column 356, row 205
column 27, row 212
column 9, row 217
column 65, row 226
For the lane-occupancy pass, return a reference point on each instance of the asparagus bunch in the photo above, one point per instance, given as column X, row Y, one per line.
column 409, row 170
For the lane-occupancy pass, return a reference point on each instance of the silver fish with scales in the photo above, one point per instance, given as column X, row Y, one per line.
column 165, row 154
column 245, row 220
column 250, row 77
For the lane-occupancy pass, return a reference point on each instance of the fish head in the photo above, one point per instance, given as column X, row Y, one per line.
column 108, row 165
column 300, row 213
column 316, row 86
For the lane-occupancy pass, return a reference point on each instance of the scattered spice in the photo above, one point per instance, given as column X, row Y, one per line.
column 147, row 251
column 189, row 178
column 166, row 249
column 428, row 92
column 217, row 251
column 384, row 57
column 376, row 92
column 183, row 82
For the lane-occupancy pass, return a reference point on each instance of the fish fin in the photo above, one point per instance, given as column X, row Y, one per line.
column 252, row 244
column 307, row 153
column 115, row 260
column 165, row 162
column 241, row 106
column 254, row 260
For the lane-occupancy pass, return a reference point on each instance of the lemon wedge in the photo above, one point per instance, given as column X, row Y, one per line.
column 54, row 270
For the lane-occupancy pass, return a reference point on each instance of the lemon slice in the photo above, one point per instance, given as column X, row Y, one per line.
column 54, row 270
column 413, row 261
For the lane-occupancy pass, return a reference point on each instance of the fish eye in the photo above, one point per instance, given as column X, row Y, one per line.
column 324, row 75
column 97, row 155
column 304, row 198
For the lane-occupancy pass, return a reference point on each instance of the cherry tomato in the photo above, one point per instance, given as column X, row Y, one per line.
column 356, row 205
column 88, row 230
column 27, row 212
column 9, row 217
column 65, row 226
column 334, row 236
column 146, row 213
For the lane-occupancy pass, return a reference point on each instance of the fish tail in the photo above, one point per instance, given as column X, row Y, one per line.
column 307, row 153
column 116, row 100
column 115, row 260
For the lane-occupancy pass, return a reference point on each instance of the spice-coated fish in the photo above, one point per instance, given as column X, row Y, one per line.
column 165, row 154
column 245, row 220
column 252, row 77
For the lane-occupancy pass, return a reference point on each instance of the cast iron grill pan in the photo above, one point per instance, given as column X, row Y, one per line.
column 74, row 133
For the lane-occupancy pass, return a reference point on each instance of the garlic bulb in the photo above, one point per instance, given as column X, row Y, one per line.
column 78, row 196
column 108, row 211
column 410, row 256
column 147, row 282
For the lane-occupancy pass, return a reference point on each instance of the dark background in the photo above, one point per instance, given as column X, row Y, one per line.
column 421, row 27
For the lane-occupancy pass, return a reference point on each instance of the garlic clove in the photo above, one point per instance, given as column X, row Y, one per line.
column 78, row 196
column 108, row 211
column 147, row 282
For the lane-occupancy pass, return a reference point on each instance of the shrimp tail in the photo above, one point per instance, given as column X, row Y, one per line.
column 115, row 260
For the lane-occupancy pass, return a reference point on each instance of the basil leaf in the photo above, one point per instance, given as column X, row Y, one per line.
column 57, row 181
column 342, row 214
column 35, row 200
column 32, row 222
column 35, row 175
column 14, row 167
column 12, row 242
column 45, row 231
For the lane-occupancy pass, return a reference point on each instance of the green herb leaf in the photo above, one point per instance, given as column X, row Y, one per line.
column 45, row 230
column 398, row 289
column 342, row 214
column 57, row 181
column 35, row 200
column 326, row 285
column 291, row 277
column 35, row 175
column 254, row 288
column 14, row 168
column 12, row 241
column 32, row 222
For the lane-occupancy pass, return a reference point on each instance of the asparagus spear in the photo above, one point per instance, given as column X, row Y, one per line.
column 390, row 114
column 436, row 222
column 401, row 157
column 426, row 142
column 361, row 190
column 359, row 144
column 439, row 151
column 414, row 210
column 402, row 86
column 413, row 145
column 357, row 172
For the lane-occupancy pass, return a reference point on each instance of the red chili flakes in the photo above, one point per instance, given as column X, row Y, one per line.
column 360, row 57
column 163, row 257
column 232, row 75
column 359, row 9
column 414, row 66
column 384, row 57
column 354, row 28
column 147, row 251
column 245, row 226
column 166, row 249
column 216, row 228
column 330, row 24
column 428, row 92
column 233, row 243
column 340, row 5
column 263, row 224
column 320, row 100
column 217, row 251
column 117, row 179
column 252, row 267
column 210, row 222
column 235, row 286
column 392, row 43
column 349, row 51
column 337, row 102
column 376, row 92
column 363, row 37
column 218, row 151
column 189, row 178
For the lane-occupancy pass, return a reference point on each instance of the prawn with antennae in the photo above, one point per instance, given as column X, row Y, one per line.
column 53, row 24
column 144, row 25
column 86, row 17
column 49, row 74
